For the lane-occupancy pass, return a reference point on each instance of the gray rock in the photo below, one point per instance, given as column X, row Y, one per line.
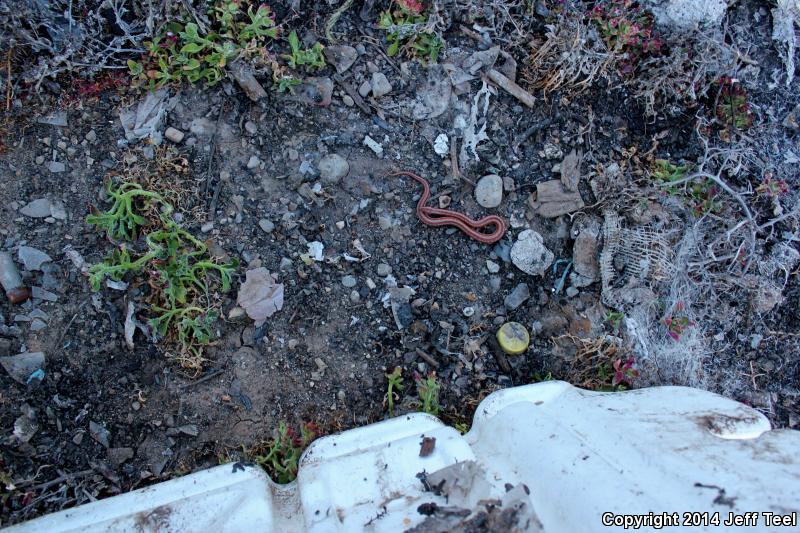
column 572, row 292
column 530, row 255
column 266, row 225
column 253, row 162
column 380, row 85
column 173, row 134
column 99, row 433
column 39, row 208
column 91, row 136
column 38, row 325
column 250, row 127
column 495, row 282
column 21, row 366
column 349, row 281
column 206, row 227
column 517, row 297
column 341, row 57
column 489, row 191
column 56, row 167
column 384, row 270
column 332, row 168
column 58, row 211
column 42, row 294
column 492, row 267
column 503, row 250
column 348, row 100
column 364, row 89
column 355, row 296
column 32, row 258
column 373, row 145
column 285, row 264
column 117, row 456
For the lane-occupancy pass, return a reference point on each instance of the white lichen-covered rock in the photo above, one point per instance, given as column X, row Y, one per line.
column 530, row 255
column 687, row 14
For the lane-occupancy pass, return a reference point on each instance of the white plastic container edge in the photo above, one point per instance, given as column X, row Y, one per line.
column 579, row 460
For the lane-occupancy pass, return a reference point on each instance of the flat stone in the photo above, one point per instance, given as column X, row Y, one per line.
column 585, row 251
column 39, row 208
column 517, row 297
column 56, row 167
column 250, row 127
column 349, row 281
column 58, row 211
column 21, row 366
column 553, row 200
column 206, row 227
column 383, row 270
column 57, row 118
column 42, row 294
column 175, row 135
column 332, row 168
column 492, row 267
column 341, row 57
column 365, row 88
column 32, row 258
column 117, row 456
column 380, row 85
column 187, row 429
column 530, row 255
column 348, row 100
column 489, row 191
column 99, row 433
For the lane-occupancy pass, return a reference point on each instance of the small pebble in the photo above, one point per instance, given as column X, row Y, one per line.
column 349, row 281
column 174, row 135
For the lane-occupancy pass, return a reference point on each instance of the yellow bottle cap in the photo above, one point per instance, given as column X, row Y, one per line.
column 513, row 338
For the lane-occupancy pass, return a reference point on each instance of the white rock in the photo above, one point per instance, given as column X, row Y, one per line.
column 492, row 267
column 530, row 255
column 489, row 191
column 688, row 14
column 56, row 167
column 373, row 145
column 253, row 162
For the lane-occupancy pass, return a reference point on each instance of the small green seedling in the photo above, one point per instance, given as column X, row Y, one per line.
column 428, row 391
column 733, row 108
column 175, row 265
column 284, row 451
column 286, row 84
column 614, row 319
column 395, row 382
column 311, row 58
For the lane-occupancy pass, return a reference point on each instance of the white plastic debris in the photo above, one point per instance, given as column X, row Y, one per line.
column 556, row 458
